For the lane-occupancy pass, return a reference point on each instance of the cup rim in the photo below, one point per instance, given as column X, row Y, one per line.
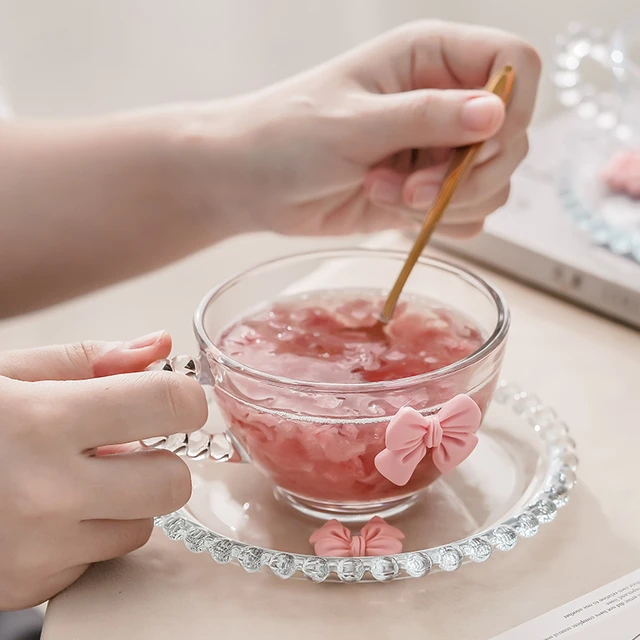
column 489, row 345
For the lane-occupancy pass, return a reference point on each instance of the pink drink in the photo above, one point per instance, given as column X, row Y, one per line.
column 323, row 447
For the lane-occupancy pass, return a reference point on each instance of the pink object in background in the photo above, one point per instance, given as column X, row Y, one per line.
column 377, row 538
column 450, row 434
column 622, row 173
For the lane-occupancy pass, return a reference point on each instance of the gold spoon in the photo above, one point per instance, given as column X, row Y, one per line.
column 501, row 84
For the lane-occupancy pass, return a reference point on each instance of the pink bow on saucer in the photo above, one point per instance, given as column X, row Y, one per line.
column 377, row 538
column 450, row 433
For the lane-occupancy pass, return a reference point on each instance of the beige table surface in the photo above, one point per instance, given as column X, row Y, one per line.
column 586, row 367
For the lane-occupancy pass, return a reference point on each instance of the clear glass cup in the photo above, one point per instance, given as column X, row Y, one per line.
column 317, row 441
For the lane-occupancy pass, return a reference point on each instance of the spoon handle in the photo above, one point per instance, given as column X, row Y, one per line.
column 501, row 84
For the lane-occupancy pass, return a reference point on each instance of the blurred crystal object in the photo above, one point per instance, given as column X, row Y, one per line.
column 620, row 243
column 559, row 496
column 505, row 538
column 479, row 549
column 384, row 569
column 554, row 431
column 624, row 132
column 417, row 564
column 565, row 444
column 580, row 47
column 564, row 478
column 567, row 61
column 176, row 442
column 220, row 449
column 544, row 417
column 350, row 569
column 195, row 540
column 506, row 393
column 251, row 559
column 184, row 364
column 527, row 525
column 317, row 569
column 160, row 365
column 544, row 510
column 570, row 97
column 283, row 565
column 606, row 120
column 198, row 445
column 600, row 53
column 565, row 79
column 450, row 558
column 175, row 528
column 527, row 404
column 221, row 551
column 600, row 233
column 587, row 109
column 570, row 459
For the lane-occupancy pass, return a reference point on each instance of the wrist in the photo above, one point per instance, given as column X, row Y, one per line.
column 210, row 146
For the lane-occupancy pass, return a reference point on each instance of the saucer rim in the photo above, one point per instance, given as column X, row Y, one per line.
column 552, row 494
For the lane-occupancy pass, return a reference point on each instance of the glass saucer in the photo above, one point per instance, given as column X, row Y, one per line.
column 611, row 220
column 520, row 474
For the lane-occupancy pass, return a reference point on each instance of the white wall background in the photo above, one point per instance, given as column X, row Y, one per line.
column 66, row 57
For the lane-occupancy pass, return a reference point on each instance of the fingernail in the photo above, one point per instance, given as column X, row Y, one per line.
column 385, row 192
column 482, row 114
column 424, row 196
column 146, row 341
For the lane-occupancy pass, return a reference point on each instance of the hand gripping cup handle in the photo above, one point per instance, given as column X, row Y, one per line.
column 199, row 445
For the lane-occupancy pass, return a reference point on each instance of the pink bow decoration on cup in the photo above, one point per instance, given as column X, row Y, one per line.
column 377, row 538
column 450, row 433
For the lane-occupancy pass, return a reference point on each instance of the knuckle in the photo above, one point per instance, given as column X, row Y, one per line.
column 469, row 231
column 44, row 497
column 139, row 534
column 17, row 593
column 184, row 399
column 173, row 489
column 519, row 118
column 179, row 478
column 531, row 57
column 503, row 197
column 48, row 407
column 417, row 34
column 131, row 535
column 419, row 29
column 83, row 353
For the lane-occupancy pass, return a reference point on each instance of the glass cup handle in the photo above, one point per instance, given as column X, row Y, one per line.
column 198, row 445
column 574, row 46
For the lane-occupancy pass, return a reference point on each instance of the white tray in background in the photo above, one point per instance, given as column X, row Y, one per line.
column 534, row 240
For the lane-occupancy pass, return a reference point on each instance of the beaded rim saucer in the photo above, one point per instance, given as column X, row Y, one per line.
column 552, row 494
column 587, row 201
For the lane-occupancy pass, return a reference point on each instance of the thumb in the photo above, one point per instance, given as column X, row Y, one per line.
column 85, row 360
column 436, row 118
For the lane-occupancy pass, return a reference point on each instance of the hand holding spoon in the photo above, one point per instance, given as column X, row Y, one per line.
column 501, row 85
